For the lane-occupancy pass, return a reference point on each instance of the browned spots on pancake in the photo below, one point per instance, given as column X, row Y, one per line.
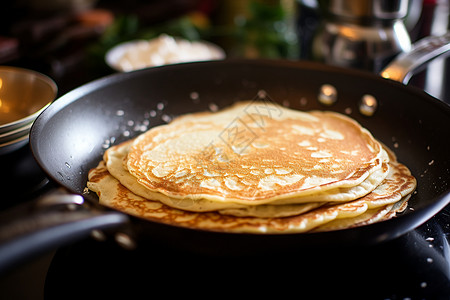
column 395, row 187
column 330, row 156
column 331, row 151
column 155, row 211
column 97, row 174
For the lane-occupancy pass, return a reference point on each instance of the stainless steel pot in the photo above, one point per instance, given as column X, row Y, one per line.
column 362, row 34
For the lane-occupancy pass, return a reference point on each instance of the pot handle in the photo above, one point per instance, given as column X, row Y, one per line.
column 402, row 68
column 55, row 220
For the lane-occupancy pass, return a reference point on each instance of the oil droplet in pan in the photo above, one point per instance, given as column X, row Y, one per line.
column 213, row 107
column 160, row 106
column 194, row 97
column 327, row 94
column 368, row 105
column 166, row 118
column 303, row 101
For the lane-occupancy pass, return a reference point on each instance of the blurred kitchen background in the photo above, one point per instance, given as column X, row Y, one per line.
column 68, row 39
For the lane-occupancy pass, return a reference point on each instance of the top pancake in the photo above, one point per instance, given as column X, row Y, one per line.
column 115, row 158
column 254, row 153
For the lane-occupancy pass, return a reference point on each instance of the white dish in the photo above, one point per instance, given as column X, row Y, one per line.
column 163, row 50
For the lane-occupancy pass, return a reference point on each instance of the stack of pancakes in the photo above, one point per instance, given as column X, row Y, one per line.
column 255, row 167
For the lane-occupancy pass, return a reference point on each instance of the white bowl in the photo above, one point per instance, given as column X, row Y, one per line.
column 163, row 50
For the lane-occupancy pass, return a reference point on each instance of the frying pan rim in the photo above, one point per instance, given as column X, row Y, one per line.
column 95, row 84
column 102, row 82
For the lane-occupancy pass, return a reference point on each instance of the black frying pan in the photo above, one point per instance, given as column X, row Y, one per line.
column 70, row 137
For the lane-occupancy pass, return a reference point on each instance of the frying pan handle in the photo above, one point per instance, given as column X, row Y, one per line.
column 55, row 220
column 403, row 66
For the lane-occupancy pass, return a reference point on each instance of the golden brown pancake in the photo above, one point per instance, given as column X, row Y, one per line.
column 115, row 158
column 372, row 215
column 113, row 194
column 258, row 168
column 238, row 155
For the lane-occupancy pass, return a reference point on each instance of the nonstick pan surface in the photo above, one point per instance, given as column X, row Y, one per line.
column 70, row 137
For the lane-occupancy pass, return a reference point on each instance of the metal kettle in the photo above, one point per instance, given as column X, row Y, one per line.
column 363, row 34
